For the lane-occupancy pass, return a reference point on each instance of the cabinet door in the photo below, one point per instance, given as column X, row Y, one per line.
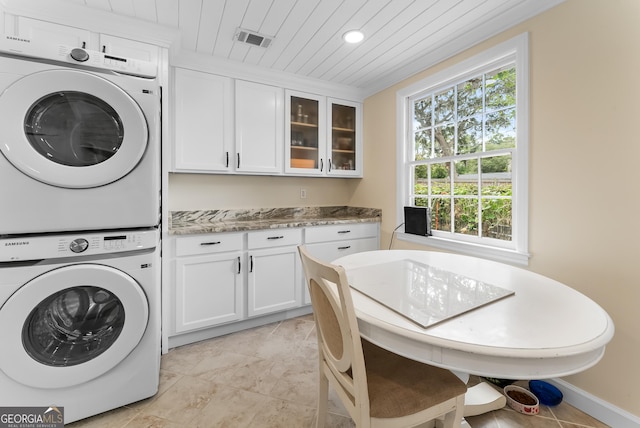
column 203, row 122
column 259, row 128
column 305, row 136
column 274, row 280
column 209, row 291
column 127, row 48
column 345, row 150
column 48, row 32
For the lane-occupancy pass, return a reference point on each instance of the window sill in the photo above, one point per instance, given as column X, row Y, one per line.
column 470, row 249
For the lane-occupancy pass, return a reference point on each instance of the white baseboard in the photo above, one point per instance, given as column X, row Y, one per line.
column 601, row 410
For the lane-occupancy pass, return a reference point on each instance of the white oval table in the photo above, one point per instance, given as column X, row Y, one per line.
column 544, row 330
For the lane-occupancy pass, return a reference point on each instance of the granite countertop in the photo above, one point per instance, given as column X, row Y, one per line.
column 213, row 221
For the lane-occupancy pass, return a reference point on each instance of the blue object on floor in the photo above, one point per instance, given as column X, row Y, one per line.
column 548, row 394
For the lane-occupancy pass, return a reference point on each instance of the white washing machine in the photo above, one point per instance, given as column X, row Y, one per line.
column 80, row 320
column 80, row 140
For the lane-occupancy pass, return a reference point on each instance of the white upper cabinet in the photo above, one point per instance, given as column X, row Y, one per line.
column 49, row 32
column 203, row 122
column 323, row 136
column 259, row 128
column 345, row 138
column 305, row 136
column 232, row 126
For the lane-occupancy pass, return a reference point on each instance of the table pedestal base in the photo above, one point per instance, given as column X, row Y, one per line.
column 482, row 398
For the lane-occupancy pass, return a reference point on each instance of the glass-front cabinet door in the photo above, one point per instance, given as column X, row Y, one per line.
column 323, row 136
column 306, row 133
column 345, row 124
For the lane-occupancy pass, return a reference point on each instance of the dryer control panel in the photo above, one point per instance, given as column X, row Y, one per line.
column 13, row 249
column 72, row 55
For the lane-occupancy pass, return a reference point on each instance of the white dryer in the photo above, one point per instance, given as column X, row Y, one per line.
column 79, row 320
column 80, row 140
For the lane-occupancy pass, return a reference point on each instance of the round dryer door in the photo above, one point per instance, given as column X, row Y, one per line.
column 71, row 129
column 71, row 325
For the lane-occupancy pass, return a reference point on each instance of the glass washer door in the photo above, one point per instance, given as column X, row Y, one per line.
column 71, row 129
column 71, row 325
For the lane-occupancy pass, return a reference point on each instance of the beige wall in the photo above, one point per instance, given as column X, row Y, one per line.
column 584, row 153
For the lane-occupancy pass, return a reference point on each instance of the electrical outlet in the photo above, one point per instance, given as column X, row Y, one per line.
column 303, row 193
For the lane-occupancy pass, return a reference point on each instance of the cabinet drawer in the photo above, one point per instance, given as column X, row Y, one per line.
column 207, row 244
column 338, row 232
column 274, row 238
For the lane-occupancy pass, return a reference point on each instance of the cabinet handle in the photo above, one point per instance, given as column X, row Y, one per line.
column 251, row 264
column 84, row 45
column 227, row 165
column 204, row 244
column 321, row 164
column 239, row 265
column 104, row 48
column 329, row 165
column 344, row 231
column 238, row 160
column 275, row 237
column 344, row 248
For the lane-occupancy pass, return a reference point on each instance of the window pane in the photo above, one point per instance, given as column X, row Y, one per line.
column 470, row 97
column 444, row 141
column 422, row 145
column 420, row 180
column 444, row 106
column 441, row 178
column 466, row 216
column 466, row 185
column 496, row 218
column 470, row 135
column 496, row 176
column 441, row 214
column 501, row 129
column 421, row 202
column 422, row 113
column 501, row 88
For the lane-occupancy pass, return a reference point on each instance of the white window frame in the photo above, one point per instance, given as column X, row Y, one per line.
column 515, row 251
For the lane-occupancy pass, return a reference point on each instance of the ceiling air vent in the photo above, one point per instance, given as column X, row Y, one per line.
column 253, row 38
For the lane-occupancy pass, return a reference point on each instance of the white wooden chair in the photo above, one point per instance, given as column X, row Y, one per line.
column 377, row 387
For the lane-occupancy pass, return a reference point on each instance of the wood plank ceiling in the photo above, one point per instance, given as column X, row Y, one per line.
column 402, row 37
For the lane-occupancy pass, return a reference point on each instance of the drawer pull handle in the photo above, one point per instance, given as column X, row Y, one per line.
column 275, row 237
column 344, row 248
column 344, row 231
column 239, row 265
column 251, row 265
column 209, row 243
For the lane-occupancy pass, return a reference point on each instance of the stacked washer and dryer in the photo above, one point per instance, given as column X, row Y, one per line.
column 79, row 218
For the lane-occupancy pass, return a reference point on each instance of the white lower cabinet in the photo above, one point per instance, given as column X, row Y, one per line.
column 209, row 286
column 275, row 276
column 328, row 243
column 224, row 281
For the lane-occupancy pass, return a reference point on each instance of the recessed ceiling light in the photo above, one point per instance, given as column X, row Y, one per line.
column 353, row 36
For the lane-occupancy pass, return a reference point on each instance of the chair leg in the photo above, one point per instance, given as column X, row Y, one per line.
column 323, row 400
column 454, row 419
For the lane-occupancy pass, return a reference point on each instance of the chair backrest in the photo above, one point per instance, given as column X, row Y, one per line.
column 339, row 342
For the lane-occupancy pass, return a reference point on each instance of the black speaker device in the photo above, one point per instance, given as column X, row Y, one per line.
column 417, row 221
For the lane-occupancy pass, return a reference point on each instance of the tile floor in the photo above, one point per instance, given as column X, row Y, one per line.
column 266, row 377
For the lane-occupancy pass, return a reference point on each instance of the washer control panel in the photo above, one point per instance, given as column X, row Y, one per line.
column 74, row 245
column 54, row 52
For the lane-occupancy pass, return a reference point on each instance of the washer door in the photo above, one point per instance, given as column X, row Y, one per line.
column 71, row 325
column 71, row 129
